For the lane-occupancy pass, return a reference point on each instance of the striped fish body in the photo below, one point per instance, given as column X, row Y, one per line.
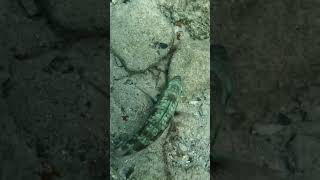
column 158, row 121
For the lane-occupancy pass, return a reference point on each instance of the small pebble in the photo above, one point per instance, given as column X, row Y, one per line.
column 183, row 147
column 193, row 102
column 185, row 158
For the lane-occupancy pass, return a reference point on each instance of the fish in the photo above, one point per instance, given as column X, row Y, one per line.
column 158, row 121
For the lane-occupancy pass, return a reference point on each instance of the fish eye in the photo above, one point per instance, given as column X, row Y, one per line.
column 177, row 78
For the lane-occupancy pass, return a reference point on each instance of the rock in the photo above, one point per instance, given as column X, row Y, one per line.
column 193, row 173
column 148, row 164
column 78, row 15
column 135, row 38
column 192, row 63
column 194, row 14
column 24, row 37
column 189, row 140
column 129, row 106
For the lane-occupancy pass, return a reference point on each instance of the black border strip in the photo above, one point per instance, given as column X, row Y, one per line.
column 107, row 121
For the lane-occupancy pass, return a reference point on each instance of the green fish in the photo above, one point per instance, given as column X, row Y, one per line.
column 158, row 120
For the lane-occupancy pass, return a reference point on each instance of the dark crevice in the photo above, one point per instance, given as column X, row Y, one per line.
column 155, row 66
